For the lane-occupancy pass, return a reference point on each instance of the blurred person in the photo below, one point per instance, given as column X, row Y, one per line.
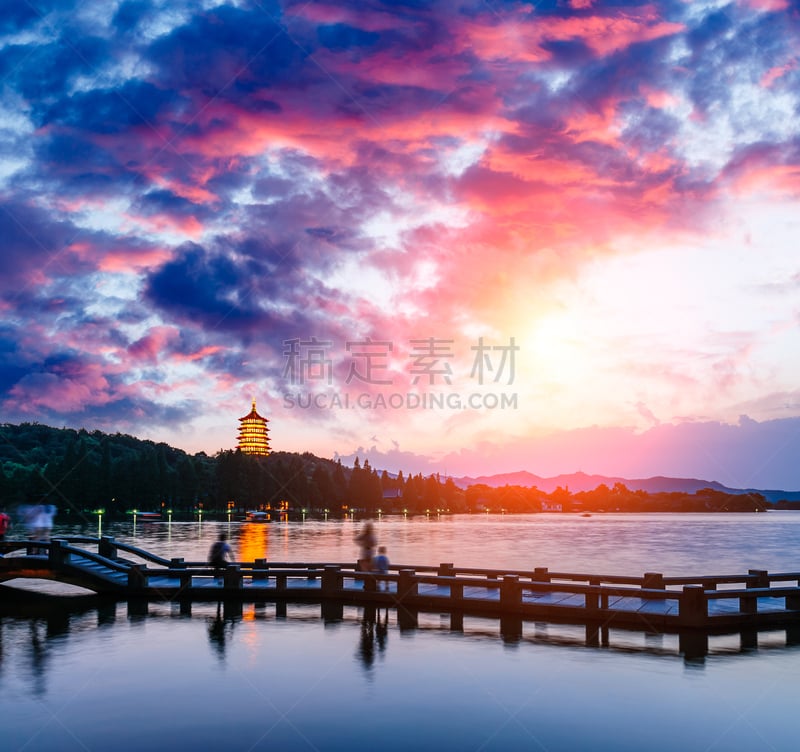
column 367, row 540
column 43, row 523
column 220, row 554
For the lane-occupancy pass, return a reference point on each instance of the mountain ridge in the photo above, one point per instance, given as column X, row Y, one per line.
column 580, row 481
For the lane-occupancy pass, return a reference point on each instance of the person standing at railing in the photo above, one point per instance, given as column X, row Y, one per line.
column 367, row 540
column 220, row 554
column 43, row 524
column 30, row 516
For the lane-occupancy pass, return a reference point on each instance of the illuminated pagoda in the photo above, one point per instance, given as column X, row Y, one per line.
column 253, row 433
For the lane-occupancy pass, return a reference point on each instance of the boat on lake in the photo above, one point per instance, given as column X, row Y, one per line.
column 257, row 517
column 147, row 516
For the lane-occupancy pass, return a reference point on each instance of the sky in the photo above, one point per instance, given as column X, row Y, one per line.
column 458, row 237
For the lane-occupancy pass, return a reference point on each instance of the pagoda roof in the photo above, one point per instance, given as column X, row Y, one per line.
column 253, row 414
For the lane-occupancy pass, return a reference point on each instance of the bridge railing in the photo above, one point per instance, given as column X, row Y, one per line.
column 686, row 601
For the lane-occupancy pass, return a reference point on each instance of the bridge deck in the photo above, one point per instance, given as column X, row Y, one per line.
column 651, row 601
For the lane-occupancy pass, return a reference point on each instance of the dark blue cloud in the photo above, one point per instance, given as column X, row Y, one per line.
column 129, row 14
column 76, row 165
column 13, row 366
column 167, row 203
column 44, row 73
column 210, row 289
column 344, row 37
column 225, row 52
column 15, row 16
column 31, row 239
column 568, row 53
column 111, row 111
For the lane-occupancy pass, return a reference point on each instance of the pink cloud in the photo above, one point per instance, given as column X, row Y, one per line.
column 768, row 6
column 128, row 259
column 69, row 390
column 783, row 179
column 203, row 352
column 189, row 226
column 153, row 345
column 521, row 39
column 773, row 74
column 658, row 98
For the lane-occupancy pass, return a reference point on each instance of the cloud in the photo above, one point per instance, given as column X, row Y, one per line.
column 186, row 189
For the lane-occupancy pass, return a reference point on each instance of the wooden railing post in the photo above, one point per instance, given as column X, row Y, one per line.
column 748, row 604
column 591, row 600
column 510, row 591
column 137, row 577
column 176, row 562
column 57, row 555
column 653, row 581
column 693, row 606
column 107, row 547
column 792, row 602
column 259, row 564
column 540, row 574
column 407, row 584
column 446, row 570
column 456, row 591
column 232, row 577
column 331, row 580
column 761, row 578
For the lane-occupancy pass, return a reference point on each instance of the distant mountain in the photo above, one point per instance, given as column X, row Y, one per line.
column 582, row 482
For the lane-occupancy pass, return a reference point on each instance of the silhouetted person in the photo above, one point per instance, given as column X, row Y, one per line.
column 380, row 564
column 367, row 540
column 220, row 554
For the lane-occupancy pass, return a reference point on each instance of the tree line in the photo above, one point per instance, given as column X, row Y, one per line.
column 84, row 471
column 80, row 471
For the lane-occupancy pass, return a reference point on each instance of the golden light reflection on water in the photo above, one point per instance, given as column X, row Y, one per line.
column 253, row 542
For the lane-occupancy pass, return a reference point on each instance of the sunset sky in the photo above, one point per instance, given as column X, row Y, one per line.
column 572, row 225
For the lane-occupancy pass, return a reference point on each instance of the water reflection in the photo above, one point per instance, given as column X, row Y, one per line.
column 33, row 628
column 285, row 664
column 374, row 634
column 253, row 541
column 675, row 544
column 220, row 630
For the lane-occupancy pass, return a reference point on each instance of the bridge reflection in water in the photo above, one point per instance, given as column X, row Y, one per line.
column 653, row 613
column 53, row 618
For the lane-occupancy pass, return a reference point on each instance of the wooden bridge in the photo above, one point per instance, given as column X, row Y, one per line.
column 651, row 602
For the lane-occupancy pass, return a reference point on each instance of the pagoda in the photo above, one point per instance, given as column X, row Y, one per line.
column 253, row 433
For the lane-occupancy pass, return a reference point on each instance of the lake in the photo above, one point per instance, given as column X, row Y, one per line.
column 77, row 678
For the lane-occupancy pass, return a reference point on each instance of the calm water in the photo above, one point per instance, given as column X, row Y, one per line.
column 608, row 543
column 265, row 680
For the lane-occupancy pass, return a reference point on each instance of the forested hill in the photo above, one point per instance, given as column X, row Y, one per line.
column 85, row 470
